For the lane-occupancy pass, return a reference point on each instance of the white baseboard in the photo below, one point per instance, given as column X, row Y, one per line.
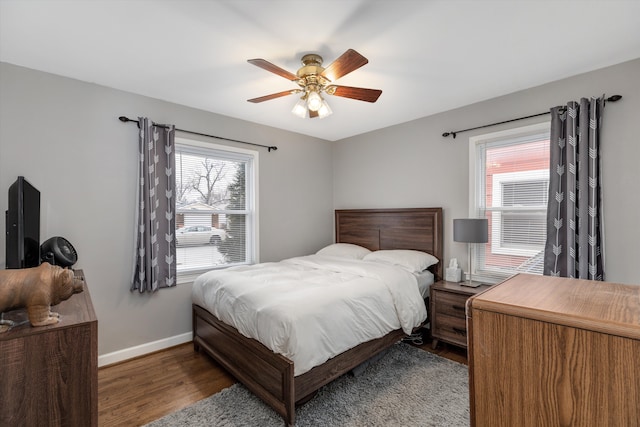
column 142, row 349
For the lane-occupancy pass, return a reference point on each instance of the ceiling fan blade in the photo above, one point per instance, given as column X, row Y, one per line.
column 346, row 63
column 274, row 96
column 266, row 65
column 361, row 94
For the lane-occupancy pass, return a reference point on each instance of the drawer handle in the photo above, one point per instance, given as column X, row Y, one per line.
column 458, row 307
column 460, row 331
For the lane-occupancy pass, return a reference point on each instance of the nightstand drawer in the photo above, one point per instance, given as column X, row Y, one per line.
column 450, row 304
column 451, row 329
column 448, row 312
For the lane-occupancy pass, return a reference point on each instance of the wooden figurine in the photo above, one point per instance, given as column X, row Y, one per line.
column 36, row 289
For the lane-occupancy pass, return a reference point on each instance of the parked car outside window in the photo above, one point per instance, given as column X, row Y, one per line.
column 199, row 235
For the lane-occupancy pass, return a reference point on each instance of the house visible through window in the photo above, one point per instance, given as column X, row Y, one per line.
column 215, row 206
column 510, row 180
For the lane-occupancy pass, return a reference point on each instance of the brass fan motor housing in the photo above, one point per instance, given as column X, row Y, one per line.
column 310, row 73
column 311, row 64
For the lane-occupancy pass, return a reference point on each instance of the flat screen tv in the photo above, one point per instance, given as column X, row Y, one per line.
column 23, row 225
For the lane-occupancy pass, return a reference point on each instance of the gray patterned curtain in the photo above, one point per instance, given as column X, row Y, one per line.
column 155, row 265
column 574, row 235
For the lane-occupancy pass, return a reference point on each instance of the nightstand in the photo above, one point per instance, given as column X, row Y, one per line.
column 448, row 319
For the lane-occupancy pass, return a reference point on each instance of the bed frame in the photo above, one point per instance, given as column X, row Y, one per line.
column 269, row 375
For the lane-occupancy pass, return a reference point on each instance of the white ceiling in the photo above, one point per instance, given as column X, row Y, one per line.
column 426, row 56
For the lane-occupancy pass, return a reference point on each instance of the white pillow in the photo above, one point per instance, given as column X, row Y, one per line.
column 412, row 261
column 344, row 250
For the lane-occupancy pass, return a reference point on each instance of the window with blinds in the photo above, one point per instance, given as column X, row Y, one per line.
column 215, row 206
column 511, row 184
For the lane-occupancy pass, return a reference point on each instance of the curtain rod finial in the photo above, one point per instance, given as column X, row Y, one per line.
column 614, row 98
column 124, row 119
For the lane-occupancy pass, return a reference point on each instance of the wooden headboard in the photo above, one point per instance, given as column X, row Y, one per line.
column 412, row 228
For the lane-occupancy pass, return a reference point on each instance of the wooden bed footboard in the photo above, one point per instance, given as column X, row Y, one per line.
column 269, row 375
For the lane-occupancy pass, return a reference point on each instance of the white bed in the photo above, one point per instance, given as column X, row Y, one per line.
column 425, row 280
column 284, row 305
column 276, row 379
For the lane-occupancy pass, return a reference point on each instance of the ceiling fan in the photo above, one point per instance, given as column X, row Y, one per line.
column 314, row 80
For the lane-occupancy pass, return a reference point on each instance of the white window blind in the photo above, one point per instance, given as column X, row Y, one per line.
column 510, row 183
column 215, row 206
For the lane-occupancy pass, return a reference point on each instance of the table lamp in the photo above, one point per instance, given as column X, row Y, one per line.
column 471, row 231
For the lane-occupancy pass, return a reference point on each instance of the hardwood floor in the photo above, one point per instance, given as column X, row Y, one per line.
column 138, row 391
column 141, row 390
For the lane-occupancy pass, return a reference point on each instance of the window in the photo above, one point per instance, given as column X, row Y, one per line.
column 510, row 184
column 215, row 207
column 519, row 227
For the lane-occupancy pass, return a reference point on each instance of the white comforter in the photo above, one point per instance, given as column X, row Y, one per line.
column 312, row 308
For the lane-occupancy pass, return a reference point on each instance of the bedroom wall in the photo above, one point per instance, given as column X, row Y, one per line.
column 412, row 165
column 64, row 136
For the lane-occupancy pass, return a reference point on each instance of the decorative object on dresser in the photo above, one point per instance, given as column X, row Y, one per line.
column 50, row 373
column 270, row 375
column 471, row 231
column 36, row 289
column 58, row 251
column 555, row 352
column 448, row 321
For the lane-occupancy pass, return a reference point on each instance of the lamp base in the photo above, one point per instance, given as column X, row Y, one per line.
column 471, row 284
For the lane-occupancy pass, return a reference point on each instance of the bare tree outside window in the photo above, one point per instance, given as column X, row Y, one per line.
column 203, row 179
column 209, row 181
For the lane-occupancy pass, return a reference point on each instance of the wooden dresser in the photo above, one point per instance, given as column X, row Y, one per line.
column 547, row 351
column 49, row 374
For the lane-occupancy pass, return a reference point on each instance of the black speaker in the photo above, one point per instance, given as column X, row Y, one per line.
column 58, row 251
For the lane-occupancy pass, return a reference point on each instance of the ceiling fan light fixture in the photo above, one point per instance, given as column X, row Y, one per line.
column 314, row 101
column 324, row 110
column 315, row 80
column 300, row 109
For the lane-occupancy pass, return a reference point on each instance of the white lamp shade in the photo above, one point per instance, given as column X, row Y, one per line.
column 471, row 230
column 300, row 109
column 324, row 110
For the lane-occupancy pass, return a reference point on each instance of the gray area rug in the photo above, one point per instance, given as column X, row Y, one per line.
column 405, row 387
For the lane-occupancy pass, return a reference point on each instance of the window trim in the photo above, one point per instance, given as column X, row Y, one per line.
column 253, row 244
column 476, row 200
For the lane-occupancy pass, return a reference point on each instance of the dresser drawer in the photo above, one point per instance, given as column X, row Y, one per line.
column 450, row 304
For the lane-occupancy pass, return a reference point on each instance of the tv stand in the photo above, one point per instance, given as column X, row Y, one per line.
column 50, row 373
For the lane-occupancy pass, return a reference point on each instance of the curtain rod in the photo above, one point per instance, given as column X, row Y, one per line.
column 124, row 119
column 612, row 98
